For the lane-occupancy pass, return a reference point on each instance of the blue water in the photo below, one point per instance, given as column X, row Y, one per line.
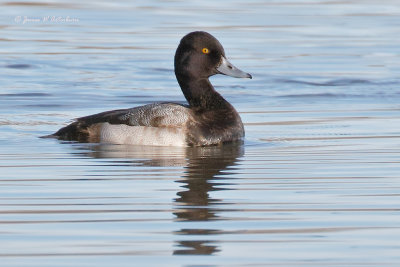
column 316, row 182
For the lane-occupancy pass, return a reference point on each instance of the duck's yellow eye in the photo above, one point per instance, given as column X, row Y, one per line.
column 205, row 50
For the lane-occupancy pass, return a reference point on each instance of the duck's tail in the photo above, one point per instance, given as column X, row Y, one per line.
column 76, row 131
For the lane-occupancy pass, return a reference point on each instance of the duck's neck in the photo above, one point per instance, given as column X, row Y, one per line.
column 201, row 94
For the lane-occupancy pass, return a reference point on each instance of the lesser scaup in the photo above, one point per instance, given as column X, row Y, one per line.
column 208, row 119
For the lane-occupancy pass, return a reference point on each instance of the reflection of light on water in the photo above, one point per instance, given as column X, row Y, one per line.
column 203, row 173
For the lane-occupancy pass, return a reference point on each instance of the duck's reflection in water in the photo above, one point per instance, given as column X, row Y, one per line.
column 204, row 173
column 204, row 170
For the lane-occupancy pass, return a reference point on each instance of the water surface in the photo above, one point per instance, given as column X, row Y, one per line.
column 315, row 183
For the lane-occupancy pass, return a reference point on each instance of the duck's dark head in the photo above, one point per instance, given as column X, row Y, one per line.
column 200, row 55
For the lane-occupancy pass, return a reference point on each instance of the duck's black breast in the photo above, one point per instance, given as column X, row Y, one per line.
column 213, row 127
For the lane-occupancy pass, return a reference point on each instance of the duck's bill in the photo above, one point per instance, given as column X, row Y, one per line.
column 229, row 69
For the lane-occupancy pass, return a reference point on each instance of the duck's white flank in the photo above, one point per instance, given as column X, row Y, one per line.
column 141, row 135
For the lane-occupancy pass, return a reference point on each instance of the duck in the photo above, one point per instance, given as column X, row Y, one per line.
column 207, row 119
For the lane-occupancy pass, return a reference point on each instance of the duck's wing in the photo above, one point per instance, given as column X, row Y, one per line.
column 151, row 115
